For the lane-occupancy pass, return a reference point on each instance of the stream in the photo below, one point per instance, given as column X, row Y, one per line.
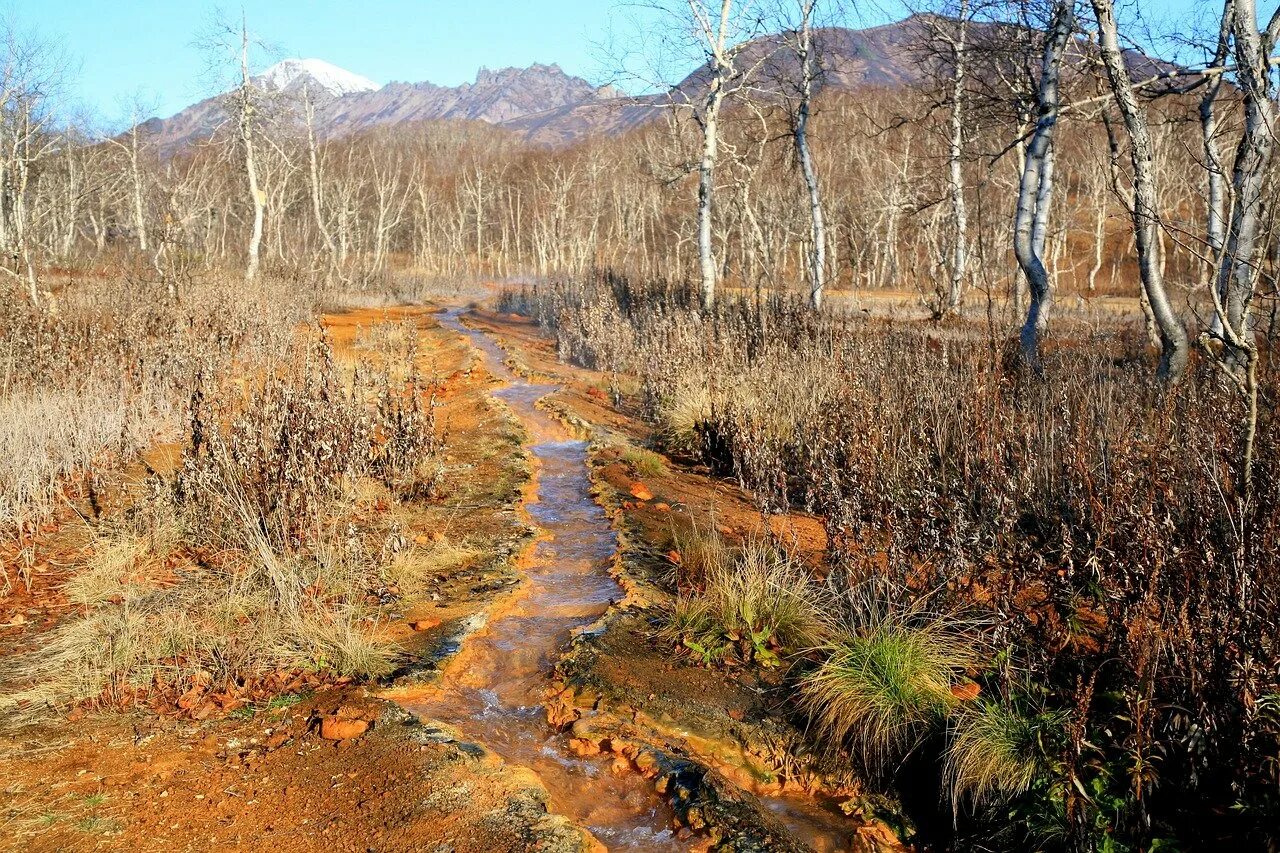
column 494, row 692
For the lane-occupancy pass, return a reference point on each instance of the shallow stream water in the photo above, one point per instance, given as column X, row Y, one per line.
column 497, row 696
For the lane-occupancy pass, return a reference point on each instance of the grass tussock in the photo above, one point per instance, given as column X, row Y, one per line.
column 755, row 605
column 644, row 462
column 996, row 751
column 889, row 674
column 703, row 553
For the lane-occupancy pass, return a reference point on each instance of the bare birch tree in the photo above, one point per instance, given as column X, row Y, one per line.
column 1035, row 189
column 800, row 41
column 132, row 148
column 715, row 32
column 1145, row 207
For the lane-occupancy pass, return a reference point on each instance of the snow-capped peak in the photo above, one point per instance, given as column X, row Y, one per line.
column 291, row 73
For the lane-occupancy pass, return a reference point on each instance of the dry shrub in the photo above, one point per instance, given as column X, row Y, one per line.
column 273, row 462
column 251, row 561
column 105, row 375
column 1091, row 511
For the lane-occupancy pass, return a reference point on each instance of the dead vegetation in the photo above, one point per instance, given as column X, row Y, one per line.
column 264, row 551
column 1090, row 517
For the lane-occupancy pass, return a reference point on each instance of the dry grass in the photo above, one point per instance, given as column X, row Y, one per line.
column 51, row 436
column 995, row 751
column 256, row 611
column 412, row 568
column 255, row 558
column 756, row 604
column 125, row 560
column 644, row 462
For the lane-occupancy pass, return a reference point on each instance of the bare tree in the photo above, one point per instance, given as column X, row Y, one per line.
column 1035, row 190
column 1145, row 206
column 133, row 149
column 721, row 54
column 317, row 190
column 1238, row 271
column 800, row 41
column 30, row 74
column 244, row 107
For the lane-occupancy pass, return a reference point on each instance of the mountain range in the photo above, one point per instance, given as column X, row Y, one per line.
column 546, row 106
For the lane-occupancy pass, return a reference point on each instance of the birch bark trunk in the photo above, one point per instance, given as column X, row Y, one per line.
column 1035, row 190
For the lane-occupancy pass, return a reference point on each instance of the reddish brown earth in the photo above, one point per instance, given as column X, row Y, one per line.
column 251, row 767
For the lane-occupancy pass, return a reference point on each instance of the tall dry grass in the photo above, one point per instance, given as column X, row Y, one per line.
column 257, row 555
column 106, row 373
column 1091, row 512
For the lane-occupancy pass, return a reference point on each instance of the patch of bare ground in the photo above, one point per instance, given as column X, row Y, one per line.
column 334, row 771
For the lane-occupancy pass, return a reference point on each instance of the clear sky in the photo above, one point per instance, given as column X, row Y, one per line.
column 119, row 48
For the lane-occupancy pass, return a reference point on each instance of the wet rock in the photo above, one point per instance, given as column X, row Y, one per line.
column 583, row 747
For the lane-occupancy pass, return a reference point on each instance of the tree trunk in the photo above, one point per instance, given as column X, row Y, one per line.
column 706, row 190
column 1036, row 187
column 317, row 206
column 256, row 195
column 817, row 222
column 955, row 172
column 1146, row 212
column 1239, row 269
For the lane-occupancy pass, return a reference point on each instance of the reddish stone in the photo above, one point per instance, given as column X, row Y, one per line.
column 336, row 728
column 641, row 492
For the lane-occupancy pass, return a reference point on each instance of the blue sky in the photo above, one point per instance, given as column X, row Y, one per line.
column 127, row 47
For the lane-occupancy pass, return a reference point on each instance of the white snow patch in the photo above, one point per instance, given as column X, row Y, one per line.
column 289, row 73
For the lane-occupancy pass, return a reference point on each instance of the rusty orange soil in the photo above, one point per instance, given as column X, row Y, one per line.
column 272, row 781
column 249, row 768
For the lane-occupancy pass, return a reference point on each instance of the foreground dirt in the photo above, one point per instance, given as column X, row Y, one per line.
column 269, row 779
